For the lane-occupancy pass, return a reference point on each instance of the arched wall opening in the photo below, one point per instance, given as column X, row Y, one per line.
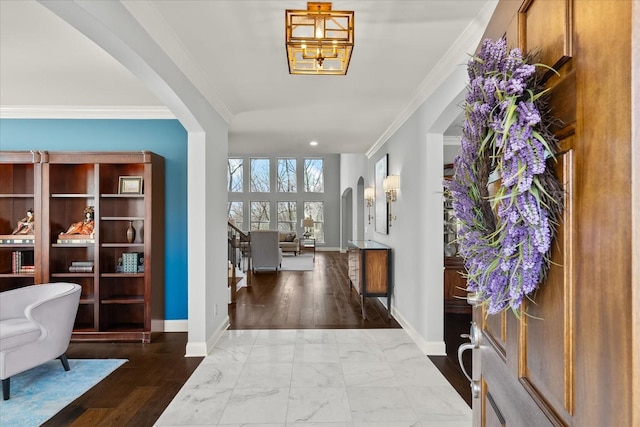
column 347, row 217
column 112, row 27
column 360, row 210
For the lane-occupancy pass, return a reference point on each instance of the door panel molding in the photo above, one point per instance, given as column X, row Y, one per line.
column 547, row 359
column 578, row 365
column 494, row 328
column 547, row 24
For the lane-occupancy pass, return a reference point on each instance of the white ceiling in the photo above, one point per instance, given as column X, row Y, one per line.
column 233, row 52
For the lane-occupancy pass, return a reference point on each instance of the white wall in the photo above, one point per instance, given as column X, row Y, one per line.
column 352, row 167
column 416, row 154
column 111, row 26
column 452, row 148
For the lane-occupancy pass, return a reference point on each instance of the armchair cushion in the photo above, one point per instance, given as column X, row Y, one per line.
column 16, row 332
column 36, row 323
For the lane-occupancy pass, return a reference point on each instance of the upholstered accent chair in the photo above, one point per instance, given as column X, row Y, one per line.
column 35, row 326
column 265, row 250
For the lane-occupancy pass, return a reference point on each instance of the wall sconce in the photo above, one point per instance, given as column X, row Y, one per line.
column 391, row 185
column 369, row 196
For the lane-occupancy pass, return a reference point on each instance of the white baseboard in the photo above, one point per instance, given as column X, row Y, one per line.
column 181, row 325
column 429, row 348
column 213, row 339
column 196, row 349
column 202, row 349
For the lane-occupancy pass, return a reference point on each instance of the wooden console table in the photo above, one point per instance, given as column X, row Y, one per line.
column 370, row 270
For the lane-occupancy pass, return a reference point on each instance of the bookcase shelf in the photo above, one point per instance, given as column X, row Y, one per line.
column 124, row 299
column 17, row 196
column 15, row 275
column 122, row 196
column 58, row 186
column 72, row 196
column 71, row 275
column 20, row 175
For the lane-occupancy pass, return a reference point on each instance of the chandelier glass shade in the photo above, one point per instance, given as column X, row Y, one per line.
column 319, row 40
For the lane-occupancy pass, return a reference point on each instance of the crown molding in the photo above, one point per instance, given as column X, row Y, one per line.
column 457, row 54
column 84, row 112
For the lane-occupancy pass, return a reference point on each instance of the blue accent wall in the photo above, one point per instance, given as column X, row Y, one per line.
column 164, row 137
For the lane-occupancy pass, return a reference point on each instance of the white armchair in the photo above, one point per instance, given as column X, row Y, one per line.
column 35, row 326
column 265, row 250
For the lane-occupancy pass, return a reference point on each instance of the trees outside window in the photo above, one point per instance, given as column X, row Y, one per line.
column 313, row 176
column 260, row 177
column 235, row 170
column 315, row 211
column 260, row 216
column 235, row 214
column 286, row 180
column 287, row 216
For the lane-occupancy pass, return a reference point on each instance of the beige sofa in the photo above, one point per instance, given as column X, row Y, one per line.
column 288, row 242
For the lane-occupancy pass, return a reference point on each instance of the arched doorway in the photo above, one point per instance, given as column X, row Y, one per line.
column 360, row 209
column 347, row 218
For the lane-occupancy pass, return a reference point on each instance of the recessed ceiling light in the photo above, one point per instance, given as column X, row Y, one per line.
column 313, row 143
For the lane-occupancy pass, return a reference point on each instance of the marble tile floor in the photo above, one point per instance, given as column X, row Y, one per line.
column 317, row 378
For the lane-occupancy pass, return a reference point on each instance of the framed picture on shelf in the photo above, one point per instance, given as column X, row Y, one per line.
column 130, row 185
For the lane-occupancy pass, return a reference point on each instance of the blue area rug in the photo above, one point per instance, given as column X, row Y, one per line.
column 40, row 393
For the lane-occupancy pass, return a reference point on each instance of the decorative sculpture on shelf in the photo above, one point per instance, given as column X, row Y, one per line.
column 26, row 224
column 84, row 227
column 131, row 233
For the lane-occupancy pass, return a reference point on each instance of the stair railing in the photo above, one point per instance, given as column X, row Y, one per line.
column 239, row 255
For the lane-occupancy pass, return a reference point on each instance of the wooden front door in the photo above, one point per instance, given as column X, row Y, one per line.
column 571, row 360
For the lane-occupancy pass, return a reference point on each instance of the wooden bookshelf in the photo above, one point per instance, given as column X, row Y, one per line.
column 20, row 175
column 59, row 186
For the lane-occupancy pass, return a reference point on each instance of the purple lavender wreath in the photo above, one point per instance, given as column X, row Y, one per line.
column 505, row 237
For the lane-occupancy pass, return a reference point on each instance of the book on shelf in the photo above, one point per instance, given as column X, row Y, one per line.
column 82, row 263
column 22, row 262
column 16, row 238
column 81, row 269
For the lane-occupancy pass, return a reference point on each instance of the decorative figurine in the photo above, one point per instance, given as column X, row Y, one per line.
column 84, row 227
column 26, row 224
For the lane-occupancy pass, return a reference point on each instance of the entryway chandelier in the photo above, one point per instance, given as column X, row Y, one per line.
column 319, row 40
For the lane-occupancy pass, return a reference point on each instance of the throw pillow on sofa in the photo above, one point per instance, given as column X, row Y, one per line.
column 290, row 237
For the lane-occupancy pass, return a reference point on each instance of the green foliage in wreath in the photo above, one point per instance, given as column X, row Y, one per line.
column 505, row 237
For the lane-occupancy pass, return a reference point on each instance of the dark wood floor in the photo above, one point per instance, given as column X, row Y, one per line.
column 135, row 394
column 138, row 392
column 307, row 300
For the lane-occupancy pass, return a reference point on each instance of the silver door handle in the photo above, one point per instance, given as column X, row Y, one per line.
column 461, row 350
column 473, row 299
column 474, row 343
column 475, row 389
column 473, row 335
